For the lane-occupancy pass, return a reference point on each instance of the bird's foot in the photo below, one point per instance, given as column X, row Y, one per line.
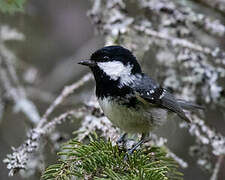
column 122, row 140
column 143, row 140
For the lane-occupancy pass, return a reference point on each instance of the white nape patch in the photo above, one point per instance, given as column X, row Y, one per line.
column 116, row 70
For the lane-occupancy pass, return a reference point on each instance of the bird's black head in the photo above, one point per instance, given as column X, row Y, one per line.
column 114, row 67
column 116, row 54
column 112, row 56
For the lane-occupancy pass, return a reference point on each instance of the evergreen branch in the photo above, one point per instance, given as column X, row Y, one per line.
column 99, row 159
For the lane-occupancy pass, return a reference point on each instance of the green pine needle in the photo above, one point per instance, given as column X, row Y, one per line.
column 100, row 160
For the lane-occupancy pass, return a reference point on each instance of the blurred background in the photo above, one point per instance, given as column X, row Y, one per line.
column 57, row 35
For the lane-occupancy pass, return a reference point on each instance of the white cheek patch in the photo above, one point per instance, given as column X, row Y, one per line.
column 116, row 69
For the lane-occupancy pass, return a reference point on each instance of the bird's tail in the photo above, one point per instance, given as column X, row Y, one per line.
column 178, row 105
column 189, row 105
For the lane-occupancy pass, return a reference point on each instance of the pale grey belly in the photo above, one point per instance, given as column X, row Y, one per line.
column 133, row 120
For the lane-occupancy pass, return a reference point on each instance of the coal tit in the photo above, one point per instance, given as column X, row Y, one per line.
column 129, row 98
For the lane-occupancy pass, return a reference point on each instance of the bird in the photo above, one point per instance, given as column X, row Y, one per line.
column 128, row 97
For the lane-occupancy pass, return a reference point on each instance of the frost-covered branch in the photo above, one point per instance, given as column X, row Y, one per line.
column 68, row 90
column 9, row 78
column 171, row 13
column 217, row 168
column 206, row 135
column 216, row 4
column 180, row 42
column 207, row 142
column 23, row 154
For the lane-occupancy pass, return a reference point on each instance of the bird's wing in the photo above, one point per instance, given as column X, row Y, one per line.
column 148, row 91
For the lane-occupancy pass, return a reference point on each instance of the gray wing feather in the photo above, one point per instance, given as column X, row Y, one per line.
column 150, row 91
column 168, row 101
column 189, row 105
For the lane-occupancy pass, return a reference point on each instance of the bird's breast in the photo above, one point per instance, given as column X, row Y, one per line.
column 139, row 119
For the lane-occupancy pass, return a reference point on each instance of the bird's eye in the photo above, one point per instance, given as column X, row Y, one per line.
column 105, row 58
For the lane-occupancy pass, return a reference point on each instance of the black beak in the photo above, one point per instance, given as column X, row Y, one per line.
column 87, row 63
